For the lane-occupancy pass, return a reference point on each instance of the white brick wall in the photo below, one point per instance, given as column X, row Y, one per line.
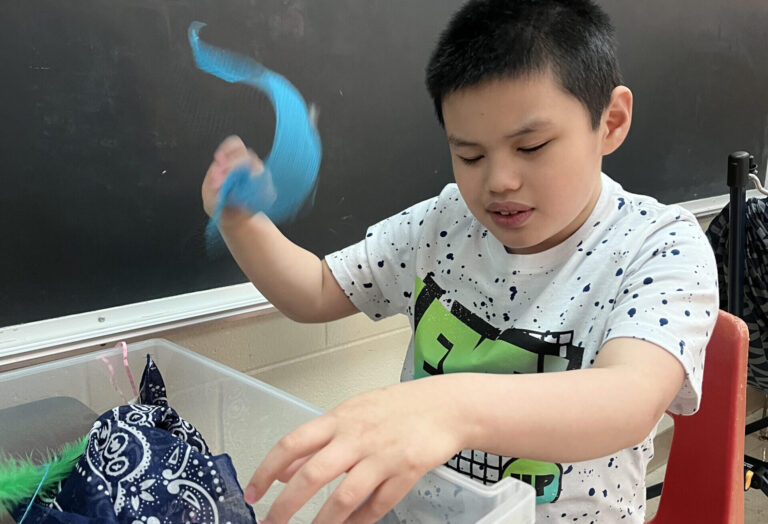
column 321, row 363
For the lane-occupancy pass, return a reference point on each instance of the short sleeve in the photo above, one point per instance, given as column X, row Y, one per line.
column 669, row 297
column 377, row 273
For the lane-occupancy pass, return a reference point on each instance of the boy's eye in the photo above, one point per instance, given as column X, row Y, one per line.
column 532, row 149
column 470, row 161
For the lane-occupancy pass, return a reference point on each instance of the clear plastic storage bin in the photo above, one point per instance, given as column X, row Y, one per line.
column 44, row 406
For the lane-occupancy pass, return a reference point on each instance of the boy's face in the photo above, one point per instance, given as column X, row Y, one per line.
column 526, row 159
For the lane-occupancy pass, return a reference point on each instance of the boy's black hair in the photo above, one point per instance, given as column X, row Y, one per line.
column 495, row 39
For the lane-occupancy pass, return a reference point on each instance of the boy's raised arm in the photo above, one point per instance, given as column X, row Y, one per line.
column 293, row 279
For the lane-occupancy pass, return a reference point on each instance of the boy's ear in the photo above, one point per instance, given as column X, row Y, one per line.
column 616, row 120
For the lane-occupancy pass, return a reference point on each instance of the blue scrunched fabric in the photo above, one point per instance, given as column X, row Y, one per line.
column 290, row 169
column 144, row 464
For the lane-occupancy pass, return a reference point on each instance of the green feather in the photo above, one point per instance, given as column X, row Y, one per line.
column 20, row 478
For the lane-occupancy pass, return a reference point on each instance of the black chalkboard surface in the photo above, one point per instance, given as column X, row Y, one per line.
column 107, row 127
column 699, row 72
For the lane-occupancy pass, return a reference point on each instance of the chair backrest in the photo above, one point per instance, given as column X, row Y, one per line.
column 704, row 481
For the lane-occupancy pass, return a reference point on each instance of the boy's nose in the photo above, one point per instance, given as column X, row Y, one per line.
column 504, row 177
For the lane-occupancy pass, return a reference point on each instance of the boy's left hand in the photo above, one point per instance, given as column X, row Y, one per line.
column 385, row 441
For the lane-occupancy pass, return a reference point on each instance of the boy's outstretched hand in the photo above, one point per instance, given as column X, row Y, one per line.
column 385, row 441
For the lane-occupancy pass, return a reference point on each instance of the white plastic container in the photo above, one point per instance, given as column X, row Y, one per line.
column 444, row 495
column 235, row 413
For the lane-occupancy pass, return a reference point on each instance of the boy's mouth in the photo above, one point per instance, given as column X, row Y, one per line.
column 510, row 215
column 508, row 207
column 511, row 220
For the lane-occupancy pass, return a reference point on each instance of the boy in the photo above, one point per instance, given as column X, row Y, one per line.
column 555, row 316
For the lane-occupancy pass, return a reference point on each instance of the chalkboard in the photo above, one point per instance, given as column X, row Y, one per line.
column 107, row 127
column 698, row 70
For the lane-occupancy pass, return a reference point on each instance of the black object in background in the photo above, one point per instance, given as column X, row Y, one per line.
column 107, row 128
column 27, row 430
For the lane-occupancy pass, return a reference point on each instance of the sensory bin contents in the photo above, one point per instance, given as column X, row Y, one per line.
column 237, row 415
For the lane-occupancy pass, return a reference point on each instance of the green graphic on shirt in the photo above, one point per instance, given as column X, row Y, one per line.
column 545, row 477
column 458, row 340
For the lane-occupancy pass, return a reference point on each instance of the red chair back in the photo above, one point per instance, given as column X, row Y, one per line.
column 704, row 481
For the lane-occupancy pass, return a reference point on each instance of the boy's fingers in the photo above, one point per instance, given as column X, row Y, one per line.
column 288, row 473
column 257, row 166
column 303, row 441
column 359, row 483
column 219, row 170
column 217, row 175
column 386, row 497
column 247, row 160
column 326, row 465
column 231, row 147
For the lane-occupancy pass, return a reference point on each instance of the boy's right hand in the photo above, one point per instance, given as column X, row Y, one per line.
column 230, row 153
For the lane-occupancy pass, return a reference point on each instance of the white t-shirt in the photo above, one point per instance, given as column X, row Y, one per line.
column 636, row 268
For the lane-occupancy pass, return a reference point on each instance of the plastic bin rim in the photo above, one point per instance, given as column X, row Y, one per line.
column 144, row 345
column 474, row 486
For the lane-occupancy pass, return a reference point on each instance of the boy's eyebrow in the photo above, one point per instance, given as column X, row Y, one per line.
column 529, row 127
